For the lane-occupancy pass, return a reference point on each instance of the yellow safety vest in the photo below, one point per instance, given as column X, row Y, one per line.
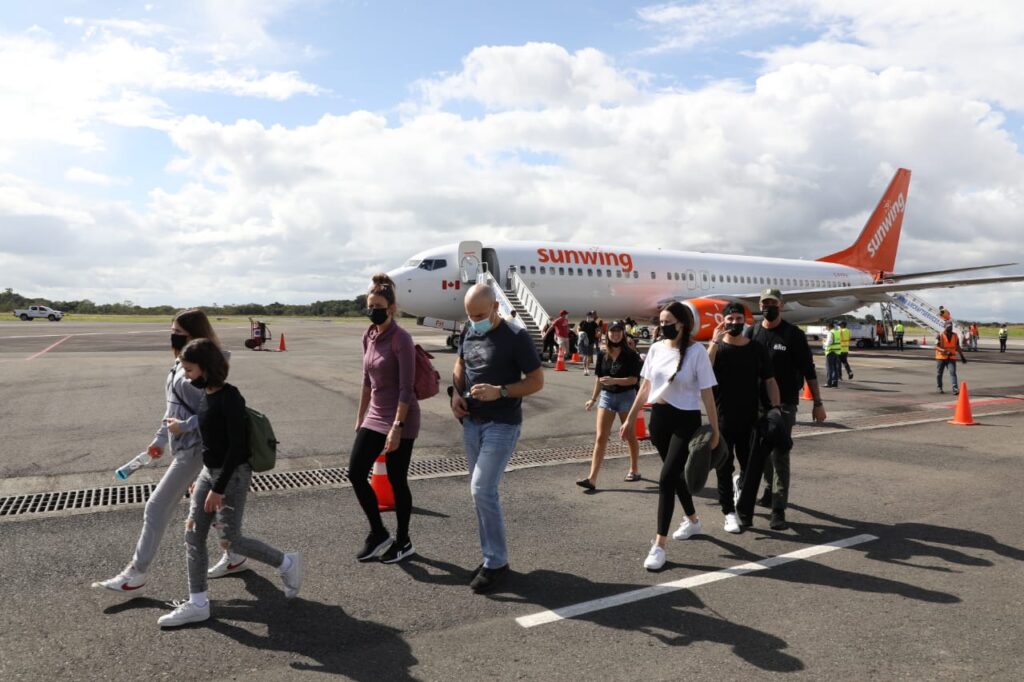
column 844, row 339
column 1002, row 333
column 834, row 345
column 898, row 328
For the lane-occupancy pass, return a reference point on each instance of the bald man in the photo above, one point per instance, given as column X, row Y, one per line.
column 497, row 366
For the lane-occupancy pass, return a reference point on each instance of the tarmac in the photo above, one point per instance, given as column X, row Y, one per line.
column 903, row 559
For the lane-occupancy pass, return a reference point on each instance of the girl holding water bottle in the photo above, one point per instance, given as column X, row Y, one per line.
column 179, row 429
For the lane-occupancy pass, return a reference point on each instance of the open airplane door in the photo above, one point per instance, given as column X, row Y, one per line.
column 470, row 256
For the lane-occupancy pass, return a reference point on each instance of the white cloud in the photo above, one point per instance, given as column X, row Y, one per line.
column 533, row 75
column 88, row 177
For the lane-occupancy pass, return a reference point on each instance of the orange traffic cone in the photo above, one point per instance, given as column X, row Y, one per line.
column 575, row 357
column 963, row 416
column 560, row 364
column 807, row 395
column 382, row 486
column 281, row 345
column 641, row 427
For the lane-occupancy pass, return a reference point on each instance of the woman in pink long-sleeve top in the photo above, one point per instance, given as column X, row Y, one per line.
column 388, row 421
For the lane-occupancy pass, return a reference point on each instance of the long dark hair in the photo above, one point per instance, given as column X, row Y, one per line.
column 682, row 341
column 197, row 324
column 210, row 358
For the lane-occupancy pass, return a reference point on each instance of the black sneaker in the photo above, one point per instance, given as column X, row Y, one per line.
column 398, row 552
column 487, row 578
column 375, row 545
column 746, row 520
column 765, row 499
column 778, row 521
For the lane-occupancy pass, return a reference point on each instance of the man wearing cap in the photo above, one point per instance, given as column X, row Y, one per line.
column 561, row 327
column 947, row 347
column 742, row 369
column 793, row 364
column 588, row 340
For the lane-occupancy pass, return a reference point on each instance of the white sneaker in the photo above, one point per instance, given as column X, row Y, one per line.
column 128, row 581
column 227, row 565
column 655, row 558
column 687, row 529
column 586, row 373
column 292, row 578
column 732, row 524
column 184, row 612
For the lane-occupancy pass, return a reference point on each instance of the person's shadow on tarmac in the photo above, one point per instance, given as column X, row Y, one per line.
column 673, row 619
column 339, row 643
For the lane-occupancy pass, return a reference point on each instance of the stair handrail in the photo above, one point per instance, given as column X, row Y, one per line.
column 505, row 306
column 530, row 302
column 919, row 309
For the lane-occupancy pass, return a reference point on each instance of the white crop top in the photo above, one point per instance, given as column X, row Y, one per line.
column 695, row 374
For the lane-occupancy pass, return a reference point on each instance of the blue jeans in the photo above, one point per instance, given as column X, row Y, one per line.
column 832, row 369
column 489, row 447
column 940, row 366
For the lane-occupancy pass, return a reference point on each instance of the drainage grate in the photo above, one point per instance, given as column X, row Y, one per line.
column 136, row 495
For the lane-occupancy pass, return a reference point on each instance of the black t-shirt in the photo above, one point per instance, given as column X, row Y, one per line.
column 223, row 424
column 590, row 329
column 791, row 358
column 626, row 365
column 500, row 357
column 740, row 372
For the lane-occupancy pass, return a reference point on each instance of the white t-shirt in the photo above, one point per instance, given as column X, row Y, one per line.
column 695, row 374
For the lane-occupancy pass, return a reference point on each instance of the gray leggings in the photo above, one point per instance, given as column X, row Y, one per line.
column 228, row 524
column 186, row 464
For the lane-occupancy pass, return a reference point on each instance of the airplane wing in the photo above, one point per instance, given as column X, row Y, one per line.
column 932, row 273
column 867, row 293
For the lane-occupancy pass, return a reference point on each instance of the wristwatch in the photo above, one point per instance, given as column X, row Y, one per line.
column 504, row 392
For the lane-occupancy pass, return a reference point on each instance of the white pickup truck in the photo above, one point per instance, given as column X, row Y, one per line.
column 861, row 335
column 34, row 311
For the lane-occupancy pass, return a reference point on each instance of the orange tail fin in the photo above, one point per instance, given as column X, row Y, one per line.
column 875, row 248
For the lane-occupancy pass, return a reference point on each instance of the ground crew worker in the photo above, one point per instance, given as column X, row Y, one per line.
column 944, row 314
column 897, row 332
column 1003, row 333
column 947, row 347
column 844, row 351
column 974, row 336
column 833, row 347
column 880, row 331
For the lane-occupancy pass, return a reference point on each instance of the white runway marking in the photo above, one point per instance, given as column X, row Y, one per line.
column 48, row 348
column 545, row 617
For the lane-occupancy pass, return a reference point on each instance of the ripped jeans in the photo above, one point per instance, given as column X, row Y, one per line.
column 227, row 521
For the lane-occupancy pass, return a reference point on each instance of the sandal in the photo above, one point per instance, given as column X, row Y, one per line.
column 632, row 476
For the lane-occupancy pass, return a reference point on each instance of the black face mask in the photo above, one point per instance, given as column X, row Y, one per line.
column 200, row 382
column 669, row 331
column 734, row 329
column 616, row 344
column 771, row 312
column 178, row 341
column 377, row 315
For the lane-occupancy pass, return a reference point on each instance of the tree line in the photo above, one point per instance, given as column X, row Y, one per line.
column 11, row 300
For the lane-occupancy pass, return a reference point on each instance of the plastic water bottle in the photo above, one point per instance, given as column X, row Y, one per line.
column 137, row 462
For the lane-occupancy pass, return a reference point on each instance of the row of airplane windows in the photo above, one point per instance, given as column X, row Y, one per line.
column 684, row 276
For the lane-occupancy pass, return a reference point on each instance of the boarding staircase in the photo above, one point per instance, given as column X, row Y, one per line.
column 917, row 309
column 517, row 296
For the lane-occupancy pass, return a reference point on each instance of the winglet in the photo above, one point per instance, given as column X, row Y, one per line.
column 875, row 248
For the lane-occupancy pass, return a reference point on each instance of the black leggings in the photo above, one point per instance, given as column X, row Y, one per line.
column 365, row 450
column 671, row 431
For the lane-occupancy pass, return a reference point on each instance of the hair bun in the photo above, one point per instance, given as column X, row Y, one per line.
column 382, row 279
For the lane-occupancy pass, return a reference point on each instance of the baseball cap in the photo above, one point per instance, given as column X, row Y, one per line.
column 563, row 312
column 771, row 293
column 617, row 324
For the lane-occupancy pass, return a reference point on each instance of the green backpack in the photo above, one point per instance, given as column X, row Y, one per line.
column 262, row 442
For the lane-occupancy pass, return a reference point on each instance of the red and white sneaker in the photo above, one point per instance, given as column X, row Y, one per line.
column 129, row 581
column 228, row 564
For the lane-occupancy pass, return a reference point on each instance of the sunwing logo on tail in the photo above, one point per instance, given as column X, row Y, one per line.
column 883, row 228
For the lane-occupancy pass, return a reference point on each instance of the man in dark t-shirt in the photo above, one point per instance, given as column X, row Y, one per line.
column 497, row 366
column 793, row 364
column 743, row 370
column 588, row 327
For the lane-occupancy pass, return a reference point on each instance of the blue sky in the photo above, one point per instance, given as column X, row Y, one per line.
column 292, row 135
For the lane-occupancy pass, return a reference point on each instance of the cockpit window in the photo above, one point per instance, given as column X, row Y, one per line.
column 433, row 264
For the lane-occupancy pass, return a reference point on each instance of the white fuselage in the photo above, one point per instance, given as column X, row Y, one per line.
column 622, row 281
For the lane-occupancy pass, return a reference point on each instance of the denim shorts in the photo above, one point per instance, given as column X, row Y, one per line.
column 617, row 402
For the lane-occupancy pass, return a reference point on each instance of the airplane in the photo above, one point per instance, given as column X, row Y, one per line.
column 621, row 282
